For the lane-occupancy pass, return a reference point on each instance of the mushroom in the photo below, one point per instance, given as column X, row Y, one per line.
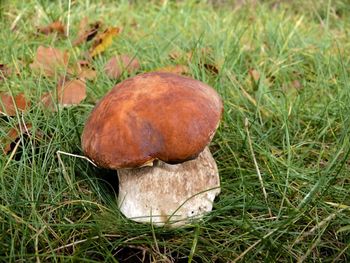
column 154, row 129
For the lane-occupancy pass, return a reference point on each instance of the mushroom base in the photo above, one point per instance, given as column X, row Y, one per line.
column 169, row 194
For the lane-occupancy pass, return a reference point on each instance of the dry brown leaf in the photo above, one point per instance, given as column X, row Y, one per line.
column 11, row 137
column 71, row 92
column 49, row 60
column 85, row 71
column 54, row 27
column 5, row 71
column 13, row 134
column 296, row 84
column 86, row 32
column 176, row 69
column 211, row 68
column 8, row 104
column 117, row 64
column 47, row 99
column 103, row 41
column 254, row 74
column 68, row 93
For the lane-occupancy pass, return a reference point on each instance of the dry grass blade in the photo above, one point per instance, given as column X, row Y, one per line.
column 251, row 247
column 287, row 75
column 317, row 227
column 263, row 111
column 77, row 156
column 17, row 218
column 15, row 134
column 246, row 125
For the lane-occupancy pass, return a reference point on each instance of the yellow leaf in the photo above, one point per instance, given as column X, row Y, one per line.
column 103, row 41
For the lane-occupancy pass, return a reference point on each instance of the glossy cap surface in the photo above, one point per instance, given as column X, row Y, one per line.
column 152, row 116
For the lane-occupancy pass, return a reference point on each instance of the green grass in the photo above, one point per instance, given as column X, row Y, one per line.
column 62, row 209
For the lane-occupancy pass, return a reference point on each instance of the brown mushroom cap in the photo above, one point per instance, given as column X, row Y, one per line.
column 152, row 116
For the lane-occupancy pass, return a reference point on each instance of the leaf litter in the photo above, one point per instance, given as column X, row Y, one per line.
column 68, row 93
column 5, row 71
column 54, row 62
column 54, row 27
column 103, row 40
column 71, row 92
column 50, row 61
column 9, row 104
column 13, row 135
column 254, row 74
column 116, row 65
column 86, row 31
column 84, row 70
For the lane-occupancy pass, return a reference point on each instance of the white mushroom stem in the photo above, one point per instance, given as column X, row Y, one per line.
column 169, row 194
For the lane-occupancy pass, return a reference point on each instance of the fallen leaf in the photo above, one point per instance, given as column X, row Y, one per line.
column 211, row 68
column 50, row 60
column 71, row 92
column 117, row 64
column 11, row 141
column 103, row 41
column 54, row 27
column 86, row 32
column 8, row 104
column 5, row 71
column 68, row 93
column 176, row 69
column 47, row 99
column 296, row 84
column 254, row 74
column 85, row 70
column 13, row 135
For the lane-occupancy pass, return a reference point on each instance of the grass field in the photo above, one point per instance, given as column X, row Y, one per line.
column 282, row 70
